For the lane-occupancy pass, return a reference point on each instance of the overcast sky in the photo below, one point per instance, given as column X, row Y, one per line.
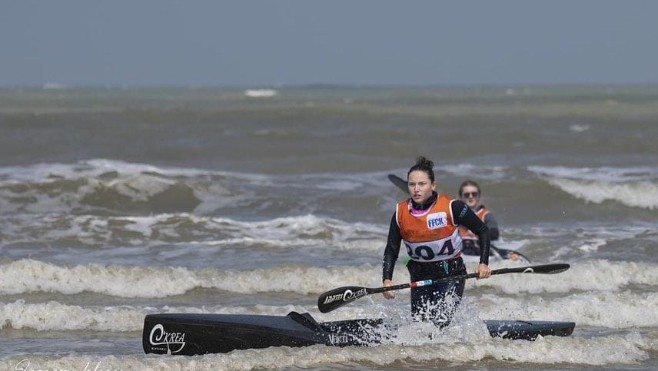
column 272, row 43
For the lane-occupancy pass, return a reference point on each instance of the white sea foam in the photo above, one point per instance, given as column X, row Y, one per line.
column 625, row 310
column 102, row 183
column 260, row 93
column 60, row 188
column 307, row 231
column 88, row 168
column 602, row 309
column 483, row 172
column 630, row 186
column 634, row 194
column 28, row 275
column 614, row 349
column 56, row 316
column 603, row 174
column 579, row 128
column 286, row 231
column 140, row 238
column 599, row 275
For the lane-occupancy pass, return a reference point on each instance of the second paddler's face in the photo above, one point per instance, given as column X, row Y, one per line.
column 470, row 195
column 420, row 186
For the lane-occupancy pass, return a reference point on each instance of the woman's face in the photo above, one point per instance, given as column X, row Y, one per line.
column 420, row 186
column 471, row 196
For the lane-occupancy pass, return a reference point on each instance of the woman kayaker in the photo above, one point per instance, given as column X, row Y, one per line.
column 428, row 224
column 471, row 193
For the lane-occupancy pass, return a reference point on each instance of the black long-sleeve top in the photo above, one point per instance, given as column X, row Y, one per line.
column 462, row 215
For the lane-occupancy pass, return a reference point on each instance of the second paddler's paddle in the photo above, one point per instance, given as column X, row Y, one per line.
column 338, row 297
column 399, row 182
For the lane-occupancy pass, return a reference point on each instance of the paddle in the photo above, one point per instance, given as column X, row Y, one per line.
column 338, row 297
column 502, row 253
column 399, row 182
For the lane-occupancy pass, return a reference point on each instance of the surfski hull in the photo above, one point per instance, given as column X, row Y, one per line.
column 192, row 334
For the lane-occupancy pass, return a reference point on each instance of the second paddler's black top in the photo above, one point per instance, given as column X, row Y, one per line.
column 462, row 215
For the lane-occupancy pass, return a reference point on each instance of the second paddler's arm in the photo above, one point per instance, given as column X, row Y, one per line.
column 492, row 224
column 464, row 216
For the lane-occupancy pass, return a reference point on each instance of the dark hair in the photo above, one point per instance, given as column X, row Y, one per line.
column 423, row 164
column 469, row 183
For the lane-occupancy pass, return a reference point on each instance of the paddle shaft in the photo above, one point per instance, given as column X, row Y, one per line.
column 338, row 297
column 422, row 283
column 545, row 269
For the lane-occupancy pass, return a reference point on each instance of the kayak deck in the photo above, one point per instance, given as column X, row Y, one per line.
column 191, row 334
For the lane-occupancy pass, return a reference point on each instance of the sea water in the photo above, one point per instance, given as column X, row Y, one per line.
column 117, row 203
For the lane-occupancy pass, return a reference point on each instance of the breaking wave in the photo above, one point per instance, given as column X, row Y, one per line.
column 28, row 275
column 632, row 187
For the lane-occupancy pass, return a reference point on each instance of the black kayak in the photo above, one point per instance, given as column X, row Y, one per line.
column 192, row 334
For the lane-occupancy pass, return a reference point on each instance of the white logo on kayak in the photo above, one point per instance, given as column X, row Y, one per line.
column 159, row 336
column 347, row 295
column 529, row 270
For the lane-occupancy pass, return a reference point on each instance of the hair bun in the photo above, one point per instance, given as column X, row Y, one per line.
column 423, row 162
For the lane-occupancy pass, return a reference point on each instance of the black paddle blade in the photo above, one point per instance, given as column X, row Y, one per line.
column 547, row 268
column 336, row 298
column 537, row 269
column 399, row 182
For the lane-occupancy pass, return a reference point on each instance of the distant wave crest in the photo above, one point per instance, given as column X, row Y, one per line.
column 632, row 187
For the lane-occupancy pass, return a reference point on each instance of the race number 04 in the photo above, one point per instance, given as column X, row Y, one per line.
column 424, row 252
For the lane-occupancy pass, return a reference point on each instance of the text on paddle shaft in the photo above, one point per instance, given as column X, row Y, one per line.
column 347, row 295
